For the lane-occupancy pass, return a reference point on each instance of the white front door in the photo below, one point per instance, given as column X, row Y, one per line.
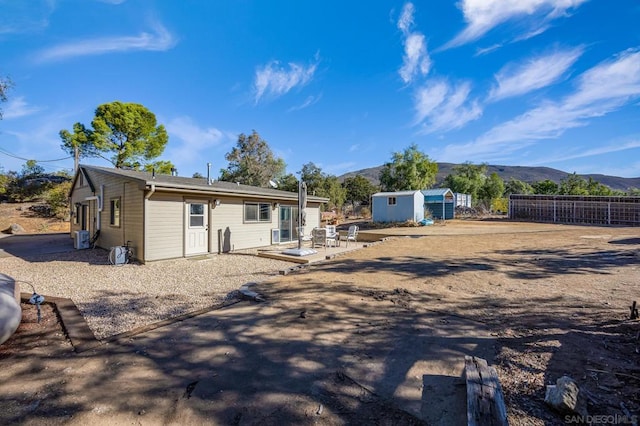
column 197, row 228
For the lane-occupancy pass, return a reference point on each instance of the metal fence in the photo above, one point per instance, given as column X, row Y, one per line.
column 593, row 210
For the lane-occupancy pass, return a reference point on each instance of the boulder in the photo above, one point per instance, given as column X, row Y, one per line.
column 565, row 397
column 15, row 228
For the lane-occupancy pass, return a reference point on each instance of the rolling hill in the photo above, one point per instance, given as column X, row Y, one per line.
column 523, row 173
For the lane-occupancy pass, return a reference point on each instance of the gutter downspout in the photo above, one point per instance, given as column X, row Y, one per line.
column 145, row 218
column 150, row 192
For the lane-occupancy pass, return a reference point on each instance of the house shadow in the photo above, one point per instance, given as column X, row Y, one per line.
column 226, row 240
column 37, row 248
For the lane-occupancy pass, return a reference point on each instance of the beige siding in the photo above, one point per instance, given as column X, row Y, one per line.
column 228, row 218
column 165, row 226
column 78, row 196
column 313, row 216
column 131, row 211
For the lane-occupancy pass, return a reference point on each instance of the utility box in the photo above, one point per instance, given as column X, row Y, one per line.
column 81, row 240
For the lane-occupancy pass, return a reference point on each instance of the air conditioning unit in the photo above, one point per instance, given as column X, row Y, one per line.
column 275, row 236
column 81, row 240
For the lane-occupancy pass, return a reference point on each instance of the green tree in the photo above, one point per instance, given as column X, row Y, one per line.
column 358, row 190
column 5, row 182
column 573, row 184
column 161, row 167
column 467, row 178
column 198, row 175
column 515, row 186
column 410, row 169
column 323, row 185
column 313, row 176
column 492, row 189
column 545, row 187
column 288, row 182
column 5, row 85
column 596, row 188
column 29, row 184
column 31, row 169
column 129, row 131
column 251, row 162
column 332, row 189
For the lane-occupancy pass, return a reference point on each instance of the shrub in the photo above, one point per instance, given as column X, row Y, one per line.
column 58, row 200
column 500, row 205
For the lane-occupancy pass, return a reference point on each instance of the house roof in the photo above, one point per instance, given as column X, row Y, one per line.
column 160, row 181
column 435, row 192
column 394, row 194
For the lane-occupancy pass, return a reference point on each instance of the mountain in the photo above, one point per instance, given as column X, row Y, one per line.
column 523, row 173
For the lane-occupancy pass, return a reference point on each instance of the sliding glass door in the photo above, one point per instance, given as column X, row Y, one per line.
column 288, row 223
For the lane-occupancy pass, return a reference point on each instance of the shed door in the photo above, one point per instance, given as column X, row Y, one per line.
column 197, row 228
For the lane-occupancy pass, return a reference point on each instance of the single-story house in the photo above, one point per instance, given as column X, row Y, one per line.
column 440, row 202
column 167, row 217
column 399, row 206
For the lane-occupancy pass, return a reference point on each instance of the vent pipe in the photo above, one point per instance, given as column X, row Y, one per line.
column 208, row 173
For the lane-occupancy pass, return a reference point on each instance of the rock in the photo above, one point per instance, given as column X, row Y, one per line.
column 15, row 228
column 565, row 397
column 247, row 294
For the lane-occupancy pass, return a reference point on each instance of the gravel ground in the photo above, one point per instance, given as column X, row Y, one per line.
column 115, row 299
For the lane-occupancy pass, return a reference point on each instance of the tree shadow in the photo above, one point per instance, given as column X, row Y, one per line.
column 335, row 352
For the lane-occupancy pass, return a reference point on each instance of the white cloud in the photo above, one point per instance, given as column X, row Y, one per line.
column 599, row 91
column 405, row 22
column 160, row 39
column 339, row 168
column 416, row 60
column 602, row 150
column 533, row 73
column 18, row 107
column 275, row 80
column 192, row 136
column 484, row 15
column 19, row 17
column 311, row 100
column 441, row 107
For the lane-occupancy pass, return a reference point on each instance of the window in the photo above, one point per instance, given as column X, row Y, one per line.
column 391, row 201
column 257, row 212
column 196, row 215
column 114, row 210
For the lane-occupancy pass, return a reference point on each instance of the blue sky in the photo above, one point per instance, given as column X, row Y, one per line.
column 342, row 84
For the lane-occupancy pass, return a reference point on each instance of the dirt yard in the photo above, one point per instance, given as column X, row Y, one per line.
column 32, row 223
column 553, row 300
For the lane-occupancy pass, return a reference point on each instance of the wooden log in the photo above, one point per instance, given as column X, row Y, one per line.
column 485, row 402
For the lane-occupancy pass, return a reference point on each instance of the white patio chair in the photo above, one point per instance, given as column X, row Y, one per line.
column 352, row 234
column 305, row 237
column 332, row 235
